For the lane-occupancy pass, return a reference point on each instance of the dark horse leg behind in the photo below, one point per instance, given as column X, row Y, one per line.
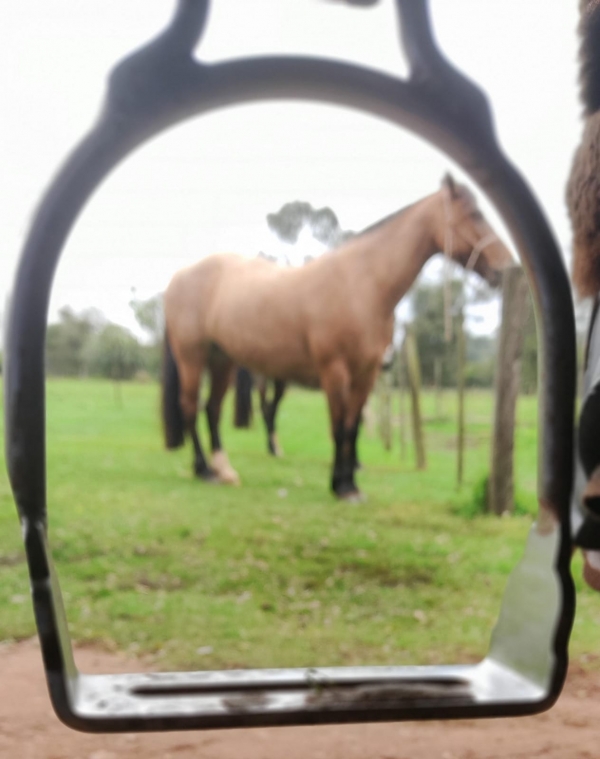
column 244, row 382
column 269, row 411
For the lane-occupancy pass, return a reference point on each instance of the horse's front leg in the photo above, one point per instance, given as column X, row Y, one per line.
column 343, row 481
column 359, row 395
column 346, row 402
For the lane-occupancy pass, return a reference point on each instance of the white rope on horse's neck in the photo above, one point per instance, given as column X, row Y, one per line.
column 479, row 247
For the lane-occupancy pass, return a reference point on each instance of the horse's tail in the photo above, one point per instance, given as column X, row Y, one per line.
column 243, row 398
column 589, row 54
column 172, row 416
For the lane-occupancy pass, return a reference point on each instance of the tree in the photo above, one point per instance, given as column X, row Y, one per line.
column 293, row 217
column 428, row 322
column 150, row 316
column 529, row 353
column 114, row 353
column 413, row 372
column 66, row 340
column 481, row 359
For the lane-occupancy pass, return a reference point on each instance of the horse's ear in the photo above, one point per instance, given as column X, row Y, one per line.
column 449, row 183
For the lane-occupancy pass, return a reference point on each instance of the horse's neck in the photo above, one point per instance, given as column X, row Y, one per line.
column 392, row 256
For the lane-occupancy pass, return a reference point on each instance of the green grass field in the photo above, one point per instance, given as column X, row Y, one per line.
column 275, row 572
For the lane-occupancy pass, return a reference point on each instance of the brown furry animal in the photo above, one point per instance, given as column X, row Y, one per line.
column 326, row 324
column 583, row 187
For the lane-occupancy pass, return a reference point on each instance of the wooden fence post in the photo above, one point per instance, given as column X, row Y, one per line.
column 400, row 379
column 437, row 379
column 384, row 397
column 515, row 303
column 460, row 384
column 414, row 383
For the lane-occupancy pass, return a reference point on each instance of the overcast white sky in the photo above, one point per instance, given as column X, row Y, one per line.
column 207, row 185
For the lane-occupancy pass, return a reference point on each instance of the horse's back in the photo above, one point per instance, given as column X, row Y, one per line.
column 190, row 293
column 283, row 323
column 203, row 273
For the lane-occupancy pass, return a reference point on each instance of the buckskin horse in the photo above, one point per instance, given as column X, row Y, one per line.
column 326, row 324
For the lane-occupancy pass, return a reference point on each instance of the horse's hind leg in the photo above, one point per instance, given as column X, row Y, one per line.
column 190, row 375
column 221, row 371
column 269, row 412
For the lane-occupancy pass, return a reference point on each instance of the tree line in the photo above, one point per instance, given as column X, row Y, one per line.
column 87, row 344
column 438, row 356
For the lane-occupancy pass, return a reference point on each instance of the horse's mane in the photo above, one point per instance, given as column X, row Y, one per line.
column 459, row 190
column 381, row 222
column 583, row 187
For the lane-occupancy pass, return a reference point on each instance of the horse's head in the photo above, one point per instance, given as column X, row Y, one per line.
column 465, row 236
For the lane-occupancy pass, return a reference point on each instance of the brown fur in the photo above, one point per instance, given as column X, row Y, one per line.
column 583, row 202
column 329, row 322
column 583, row 186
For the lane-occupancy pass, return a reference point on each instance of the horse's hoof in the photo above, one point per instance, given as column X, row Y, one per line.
column 226, row 474
column 229, row 477
column 274, row 448
column 350, row 495
column 353, row 497
column 206, row 473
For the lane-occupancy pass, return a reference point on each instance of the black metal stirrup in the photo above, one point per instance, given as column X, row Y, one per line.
column 161, row 85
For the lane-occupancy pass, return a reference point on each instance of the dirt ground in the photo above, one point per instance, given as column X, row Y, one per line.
column 29, row 729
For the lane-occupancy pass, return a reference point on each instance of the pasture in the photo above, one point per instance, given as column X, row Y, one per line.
column 275, row 572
